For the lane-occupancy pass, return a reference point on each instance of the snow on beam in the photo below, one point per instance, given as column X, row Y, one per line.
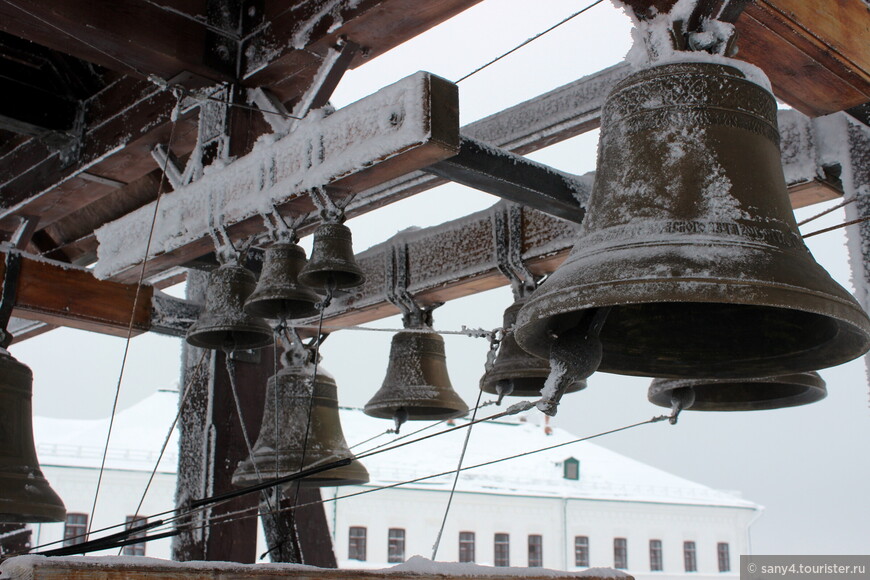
column 406, row 126
column 140, row 568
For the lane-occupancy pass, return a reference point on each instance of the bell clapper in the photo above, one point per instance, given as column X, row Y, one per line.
column 504, row 387
column 399, row 417
column 574, row 355
column 682, row 398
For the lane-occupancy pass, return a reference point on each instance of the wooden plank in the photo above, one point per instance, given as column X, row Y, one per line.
column 137, row 38
column 33, row 178
column 64, row 295
column 815, row 53
column 132, row 568
column 376, row 25
column 408, row 125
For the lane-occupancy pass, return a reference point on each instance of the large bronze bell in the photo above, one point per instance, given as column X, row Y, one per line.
column 223, row 323
column 279, row 453
column 516, row 372
column 739, row 394
column 417, row 386
column 25, row 495
column 278, row 293
column 332, row 263
column 689, row 236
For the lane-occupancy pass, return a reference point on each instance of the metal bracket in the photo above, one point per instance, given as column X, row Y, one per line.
column 296, row 351
column 331, row 70
column 329, row 211
column 278, row 229
column 212, row 133
column 695, row 35
column 508, row 240
column 396, row 278
column 24, row 232
column 168, row 163
column 273, row 110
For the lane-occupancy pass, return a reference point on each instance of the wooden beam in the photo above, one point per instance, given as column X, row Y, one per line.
column 408, row 125
column 133, row 569
column 134, row 38
column 63, row 295
column 815, row 53
column 120, row 121
column 125, row 120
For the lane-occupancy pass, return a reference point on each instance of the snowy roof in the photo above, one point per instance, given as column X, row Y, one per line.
column 138, row 433
column 140, row 430
column 603, row 474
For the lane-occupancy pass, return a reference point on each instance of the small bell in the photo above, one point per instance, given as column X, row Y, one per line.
column 279, row 453
column 417, row 385
column 278, row 293
column 25, row 495
column 689, row 239
column 516, row 372
column 223, row 323
column 756, row 394
column 332, row 262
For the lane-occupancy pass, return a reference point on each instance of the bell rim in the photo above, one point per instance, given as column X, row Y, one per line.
column 387, row 410
column 537, row 318
column 47, row 506
column 264, row 306
column 254, row 337
column 354, row 473
column 525, row 388
column 797, row 389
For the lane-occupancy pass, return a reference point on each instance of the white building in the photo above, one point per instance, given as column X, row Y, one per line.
column 569, row 507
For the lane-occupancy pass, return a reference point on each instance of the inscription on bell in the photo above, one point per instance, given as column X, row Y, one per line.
column 759, row 234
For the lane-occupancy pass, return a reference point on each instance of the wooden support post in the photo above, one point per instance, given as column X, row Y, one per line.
column 212, row 445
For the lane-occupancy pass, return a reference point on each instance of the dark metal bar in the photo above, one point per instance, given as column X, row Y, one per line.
column 516, row 178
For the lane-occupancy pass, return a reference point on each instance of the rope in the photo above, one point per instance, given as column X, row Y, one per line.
column 837, row 227
column 184, row 394
column 845, row 202
column 130, row 326
column 240, row 514
column 528, row 40
column 455, row 479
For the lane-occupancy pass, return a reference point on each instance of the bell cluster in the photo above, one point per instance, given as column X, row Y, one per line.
column 688, row 268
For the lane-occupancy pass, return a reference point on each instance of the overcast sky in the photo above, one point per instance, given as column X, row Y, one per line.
column 808, row 466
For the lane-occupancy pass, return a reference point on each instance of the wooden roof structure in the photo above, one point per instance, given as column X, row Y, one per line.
column 96, row 89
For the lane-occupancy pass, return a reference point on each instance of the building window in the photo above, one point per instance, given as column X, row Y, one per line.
column 689, row 557
column 466, row 546
column 536, row 551
column 655, row 556
column 724, row 556
column 620, row 553
column 395, row 545
column 356, row 545
column 502, row 550
column 74, row 529
column 137, row 549
column 572, row 468
column 581, row 551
